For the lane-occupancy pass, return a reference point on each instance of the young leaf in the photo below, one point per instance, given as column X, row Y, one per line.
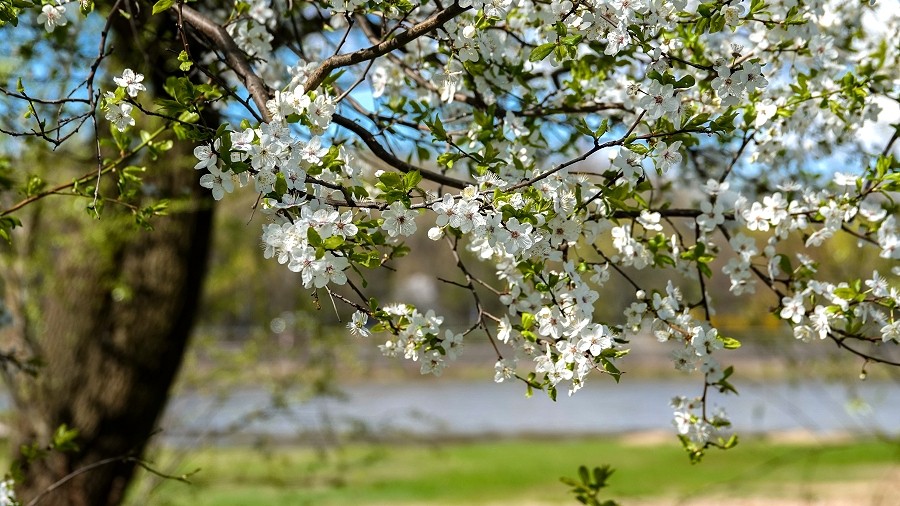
column 541, row 52
column 162, row 5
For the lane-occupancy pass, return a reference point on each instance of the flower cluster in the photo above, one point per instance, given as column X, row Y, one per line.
column 417, row 337
column 271, row 152
column 709, row 117
column 290, row 243
column 118, row 110
column 731, row 84
column 696, row 430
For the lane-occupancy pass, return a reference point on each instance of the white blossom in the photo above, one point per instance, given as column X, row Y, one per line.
column 52, row 16
column 398, row 220
column 131, row 82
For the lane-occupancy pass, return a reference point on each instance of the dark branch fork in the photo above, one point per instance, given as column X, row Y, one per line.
column 260, row 93
column 236, row 60
column 430, row 24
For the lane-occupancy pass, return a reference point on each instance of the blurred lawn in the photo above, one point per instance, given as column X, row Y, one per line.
column 514, row 472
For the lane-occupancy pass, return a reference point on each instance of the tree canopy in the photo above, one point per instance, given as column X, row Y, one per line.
column 562, row 143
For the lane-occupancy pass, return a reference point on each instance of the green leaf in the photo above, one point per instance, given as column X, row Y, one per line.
column 732, row 442
column 391, row 180
column 181, row 89
column 32, row 452
column 601, row 474
column 609, row 367
column 882, row 166
column 448, row 159
column 569, row 481
column 730, row 343
column 784, row 262
column 64, row 439
column 685, row 82
column 162, row 5
column 280, row 184
column 333, row 242
column 411, row 180
column 541, row 52
column 703, row 268
column 437, row 128
column 845, row 293
column 528, row 321
column 185, row 60
column 706, row 9
column 7, row 223
column 333, row 77
column 34, row 185
column 583, row 474
column 604, row 126
column 313, row 237
column 582, row 127
column 123, row 139
column 716, row 23
column 571, row 40
column 725, row 387
column 638, row 148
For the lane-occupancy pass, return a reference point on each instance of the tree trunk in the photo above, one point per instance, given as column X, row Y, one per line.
column 115, row 308
column 116, row 311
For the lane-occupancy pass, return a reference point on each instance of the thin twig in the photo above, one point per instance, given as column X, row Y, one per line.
column 100, row 463
column 87, row 177
column 101, row 54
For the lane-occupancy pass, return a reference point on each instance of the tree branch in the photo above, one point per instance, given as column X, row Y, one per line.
column 343, row 60
column 234, row 57
column 379, row 151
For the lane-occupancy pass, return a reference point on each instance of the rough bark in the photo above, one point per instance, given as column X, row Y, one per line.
column 116, row 312
column 115, row 306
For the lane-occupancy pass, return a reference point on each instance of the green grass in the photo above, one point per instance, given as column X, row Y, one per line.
column 507, row 472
